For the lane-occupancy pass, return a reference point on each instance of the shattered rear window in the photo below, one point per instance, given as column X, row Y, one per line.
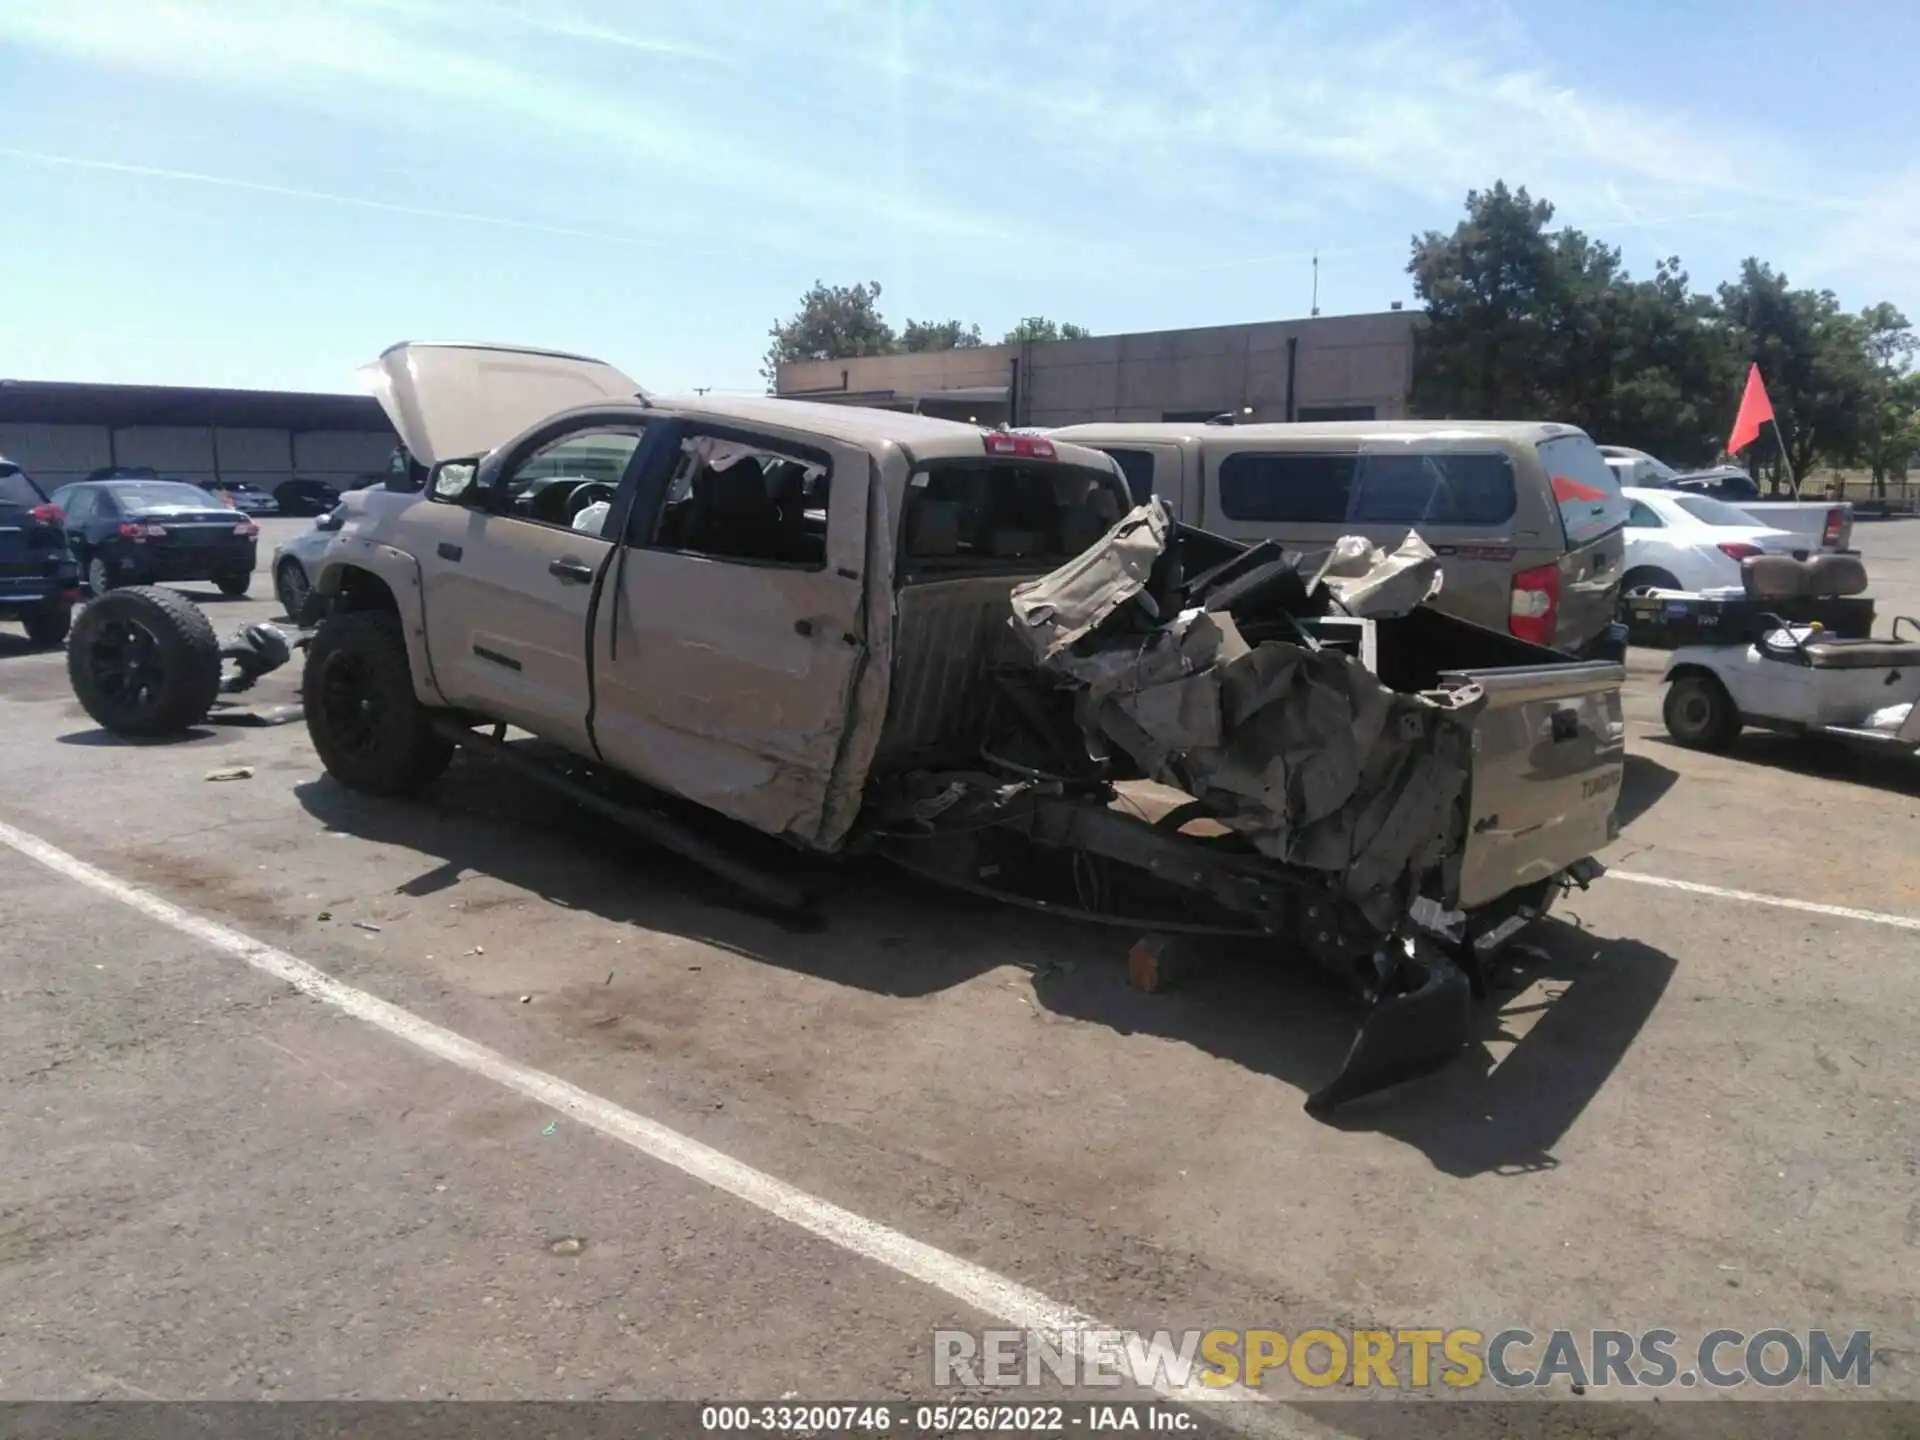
column 967, row 513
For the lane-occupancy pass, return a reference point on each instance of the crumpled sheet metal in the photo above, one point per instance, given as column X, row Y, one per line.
column 1372, row 584
column 1059, row 609
column 1304, row 752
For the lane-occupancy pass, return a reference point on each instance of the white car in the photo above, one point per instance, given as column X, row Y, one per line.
column 247, row 499
column 1677, row 541
column 295, row 560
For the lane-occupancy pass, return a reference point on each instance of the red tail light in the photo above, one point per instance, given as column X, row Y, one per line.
column 1028, row 447
column 48, row 514
column 1836, row 522
column 247, row 528
column 135, row 530
column 1533, row 611
column 1738, row 549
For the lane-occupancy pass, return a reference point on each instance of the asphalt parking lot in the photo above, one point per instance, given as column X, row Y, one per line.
column 1690, row 1109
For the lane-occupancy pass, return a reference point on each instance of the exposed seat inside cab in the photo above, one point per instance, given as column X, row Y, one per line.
column 733, row 515
column 933, row 528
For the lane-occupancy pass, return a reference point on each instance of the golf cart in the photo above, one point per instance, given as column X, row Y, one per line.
column 1775, row 656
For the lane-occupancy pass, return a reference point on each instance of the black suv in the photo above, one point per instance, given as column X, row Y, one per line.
column 127, row 531
column 37, row 581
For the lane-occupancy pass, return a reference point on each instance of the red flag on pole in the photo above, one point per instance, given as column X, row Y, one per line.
column 1755, row 411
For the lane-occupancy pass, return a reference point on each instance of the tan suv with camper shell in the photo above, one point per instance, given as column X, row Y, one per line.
column 965, row 650
column 1527, row 518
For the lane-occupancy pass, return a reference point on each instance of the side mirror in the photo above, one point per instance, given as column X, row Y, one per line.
column 453, row 482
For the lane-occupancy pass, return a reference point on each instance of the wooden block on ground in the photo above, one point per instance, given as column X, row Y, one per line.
column 1157, row 962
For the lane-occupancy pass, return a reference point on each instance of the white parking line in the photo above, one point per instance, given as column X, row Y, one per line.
column 1783, row 902
column 1005, row 1300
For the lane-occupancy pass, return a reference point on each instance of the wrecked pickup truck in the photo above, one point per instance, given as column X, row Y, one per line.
column 866, row 631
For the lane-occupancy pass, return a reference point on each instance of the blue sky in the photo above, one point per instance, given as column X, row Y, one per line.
column 267, row 192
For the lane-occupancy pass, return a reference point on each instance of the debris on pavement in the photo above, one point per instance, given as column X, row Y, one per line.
column 567, row 1245
column 231, row 772
column 366, row 925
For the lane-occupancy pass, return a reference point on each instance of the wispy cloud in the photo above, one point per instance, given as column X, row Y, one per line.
column 1123, row 142
column 345, row 54
column 325, row 197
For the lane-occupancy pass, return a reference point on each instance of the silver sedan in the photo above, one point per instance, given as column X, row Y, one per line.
column 294, row 561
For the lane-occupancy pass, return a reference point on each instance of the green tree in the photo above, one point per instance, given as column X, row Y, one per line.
column 1039, row 328
column 1815, row 360
column 1891, row 435
column 922, row 335
column 1493, row 291
column 834, row 322
column 1525, row 322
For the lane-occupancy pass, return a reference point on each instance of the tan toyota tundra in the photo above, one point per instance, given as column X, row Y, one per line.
column 969, row 651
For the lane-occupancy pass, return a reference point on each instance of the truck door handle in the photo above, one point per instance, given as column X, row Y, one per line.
column 571, row 571
column 803, row 627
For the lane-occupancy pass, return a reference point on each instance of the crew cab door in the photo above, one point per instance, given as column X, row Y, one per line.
column 508, row 578
column 732, row 634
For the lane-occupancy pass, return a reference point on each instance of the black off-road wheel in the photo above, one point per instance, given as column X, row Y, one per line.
column 49, row 624
column 369, row 730
column 144, row 662
column 1700, row 714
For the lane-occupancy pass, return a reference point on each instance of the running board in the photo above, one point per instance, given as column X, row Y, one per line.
column 650, row 825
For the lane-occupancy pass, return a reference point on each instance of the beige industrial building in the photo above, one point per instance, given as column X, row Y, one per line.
column 1334, row 367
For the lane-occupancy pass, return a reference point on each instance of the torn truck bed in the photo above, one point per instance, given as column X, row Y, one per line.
column 1294, row 793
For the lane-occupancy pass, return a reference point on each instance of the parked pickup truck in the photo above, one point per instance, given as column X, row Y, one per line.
column 969, row 652
column 1815, row 525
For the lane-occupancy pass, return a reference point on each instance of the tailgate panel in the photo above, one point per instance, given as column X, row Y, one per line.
column 1549, row 754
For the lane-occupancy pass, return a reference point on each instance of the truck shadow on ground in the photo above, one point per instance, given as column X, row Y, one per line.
column 1545, row 1041
column 1821, row 758
column 1643, row 785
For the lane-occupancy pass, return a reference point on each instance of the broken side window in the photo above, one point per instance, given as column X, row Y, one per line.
column 752, row 501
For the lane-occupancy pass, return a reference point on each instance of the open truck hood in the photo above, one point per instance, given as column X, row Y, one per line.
column 459, row 401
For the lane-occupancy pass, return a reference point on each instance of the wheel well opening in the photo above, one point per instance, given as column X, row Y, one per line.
column 1684, row 672
column 359, row 589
